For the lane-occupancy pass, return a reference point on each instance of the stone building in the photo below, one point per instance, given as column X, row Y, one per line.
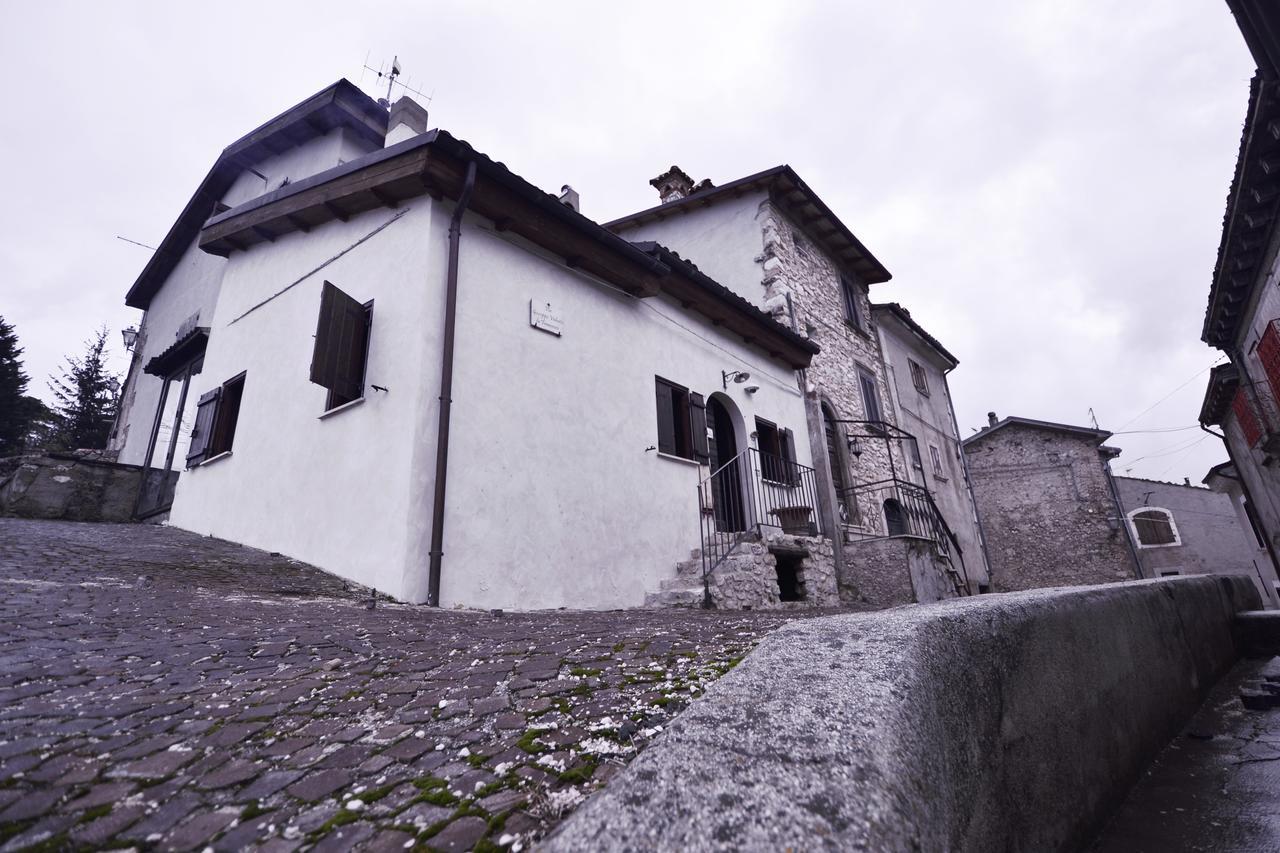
column 1181, row 529
column 771, row 239
column 1048, row 504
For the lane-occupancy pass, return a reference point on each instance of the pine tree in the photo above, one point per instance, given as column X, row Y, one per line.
column 14, row 410
column 87, row 398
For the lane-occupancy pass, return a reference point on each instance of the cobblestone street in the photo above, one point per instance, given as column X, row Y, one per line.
column 166, row 691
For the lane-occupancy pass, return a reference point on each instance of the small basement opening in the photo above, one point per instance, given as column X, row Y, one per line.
column 790, row 587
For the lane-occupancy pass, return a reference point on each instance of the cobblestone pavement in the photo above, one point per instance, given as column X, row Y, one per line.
column 166, row 691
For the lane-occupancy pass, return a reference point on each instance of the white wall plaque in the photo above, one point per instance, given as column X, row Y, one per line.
column 543, row 316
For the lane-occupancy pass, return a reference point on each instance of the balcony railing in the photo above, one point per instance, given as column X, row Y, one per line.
column 750, row 492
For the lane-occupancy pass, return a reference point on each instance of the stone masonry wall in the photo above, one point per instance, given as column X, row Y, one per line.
column 749, row 577
column 792, row 264
column 1047, row 510
column 68, row 487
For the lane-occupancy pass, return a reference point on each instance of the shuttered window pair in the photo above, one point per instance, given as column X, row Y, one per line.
column 342, row 346
column 1246, row 417
column 777, row 452
column 1155, row 527
column 217, row 413
column 682, row 421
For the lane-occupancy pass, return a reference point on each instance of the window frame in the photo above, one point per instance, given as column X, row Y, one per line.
column 333, row 400
column 1133, row 520
column 935, row 458
column 688, row 411
column 919, row 378
column 870, row 403
column 221, row 422
column 778, row 466
column 852, row 309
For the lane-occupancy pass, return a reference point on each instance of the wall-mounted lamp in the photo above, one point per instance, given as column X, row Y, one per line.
column 130, row 336
column 738, row 377
column 855, row 448
column 751, row 389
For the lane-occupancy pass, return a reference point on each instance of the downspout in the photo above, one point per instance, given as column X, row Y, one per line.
column 1122, row 518
column 1244, row 487
column 446, row 387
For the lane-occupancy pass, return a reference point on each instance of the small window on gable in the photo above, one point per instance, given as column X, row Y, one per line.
column 849, row 294
column 1153, row 527
column 777, row 452
column 919, row 378
column 682, row 421
column 342, row 346
column 217, row 413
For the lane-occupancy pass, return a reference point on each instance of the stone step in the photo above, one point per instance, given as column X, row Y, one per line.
column 681, row 583
column 674, row 598
column 689, row 568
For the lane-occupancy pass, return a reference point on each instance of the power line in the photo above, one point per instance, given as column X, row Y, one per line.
column 1157, row 429
column 1198, row 374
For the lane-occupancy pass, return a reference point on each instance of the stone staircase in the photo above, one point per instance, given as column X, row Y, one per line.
column 746, row 577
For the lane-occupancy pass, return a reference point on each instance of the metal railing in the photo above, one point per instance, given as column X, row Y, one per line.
column 751, row 491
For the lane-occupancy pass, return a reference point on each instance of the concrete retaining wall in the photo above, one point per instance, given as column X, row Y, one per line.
column 1005, row 722
column 72, row 487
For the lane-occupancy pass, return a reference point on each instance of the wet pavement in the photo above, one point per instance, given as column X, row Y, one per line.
column 167, row 691
column 1215, row 787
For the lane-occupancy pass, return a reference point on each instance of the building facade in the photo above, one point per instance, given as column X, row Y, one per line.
column 1180, row 529
column 1049, row 506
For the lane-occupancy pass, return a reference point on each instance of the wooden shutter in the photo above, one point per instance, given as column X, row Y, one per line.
column 342, row 337
column 666, row 418
column 1246, row 417
column 1269, row 355
column 787, row 444
column 202, row 431
column 698, row 425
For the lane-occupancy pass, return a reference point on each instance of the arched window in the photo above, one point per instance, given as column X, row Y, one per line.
column 895, row 523
column 1153, row 527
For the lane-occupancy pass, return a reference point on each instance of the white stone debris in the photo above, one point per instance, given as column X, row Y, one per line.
column 355, row 805
column 603, row 746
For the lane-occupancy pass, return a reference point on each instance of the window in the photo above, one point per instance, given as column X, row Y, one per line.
column 870, row 396
column 682, row 421
column 849, row 293
column 1154, row 528
column 342, row 346
column 915, row 455
column 215, row 425
column 894, row 521
column 1245, row 416
column 777, row 452
column 935, row 456
column 918, row 378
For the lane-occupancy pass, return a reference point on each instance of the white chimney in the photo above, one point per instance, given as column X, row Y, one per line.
column 408, row 118
column 569, row 197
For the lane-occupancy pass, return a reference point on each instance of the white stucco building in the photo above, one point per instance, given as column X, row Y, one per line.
column 373, row 348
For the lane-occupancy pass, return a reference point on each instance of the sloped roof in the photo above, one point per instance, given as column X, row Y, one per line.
column 792, row 194
column 1221, row 390
column 904, row 316
column 338, row 105
column 1100, row 435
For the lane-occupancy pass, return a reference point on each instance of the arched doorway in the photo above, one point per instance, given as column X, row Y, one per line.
column 836, row 462
column 722, row 443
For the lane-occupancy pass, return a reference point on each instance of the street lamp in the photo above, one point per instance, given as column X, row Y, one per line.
column 130, row 336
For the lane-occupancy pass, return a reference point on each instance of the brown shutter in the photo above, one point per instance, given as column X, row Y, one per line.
column 787, row 444
column 666, row 418
column 202, row 431
column 337, row 362
column 698, row 424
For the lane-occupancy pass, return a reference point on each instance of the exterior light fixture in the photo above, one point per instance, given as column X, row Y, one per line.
column 130, row 336
column 855, row 447
column 751, row 389
column 738, row 377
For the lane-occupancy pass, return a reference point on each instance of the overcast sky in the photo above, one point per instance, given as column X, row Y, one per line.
column 1045, row 180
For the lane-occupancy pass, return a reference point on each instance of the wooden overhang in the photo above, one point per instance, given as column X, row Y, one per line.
column 179, row 354
column 1223, row 382
column 904, row 318
column 339, row 105
column 793, row 195
column 696, row 291
column 1249, row 223
column 435, row 164
column 1259, row 22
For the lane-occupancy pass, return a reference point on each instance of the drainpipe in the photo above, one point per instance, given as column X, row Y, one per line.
column 446, row 387
column 1248, row 496
column 1122, row 517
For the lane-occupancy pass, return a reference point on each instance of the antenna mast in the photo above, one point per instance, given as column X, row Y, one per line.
column 391, row 76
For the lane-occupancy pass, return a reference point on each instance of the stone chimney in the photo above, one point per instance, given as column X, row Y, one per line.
column 672, row 185
column 992, row 420
column 408, row 118
column 569, row 198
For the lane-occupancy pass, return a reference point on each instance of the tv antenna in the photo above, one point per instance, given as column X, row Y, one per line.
column 391, row 76
column 1093, row 418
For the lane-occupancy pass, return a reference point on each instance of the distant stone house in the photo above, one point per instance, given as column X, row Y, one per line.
column 1049, row 506
column 1180, row 529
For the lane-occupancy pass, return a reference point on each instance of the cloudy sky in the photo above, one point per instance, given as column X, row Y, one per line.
column 1045, row 180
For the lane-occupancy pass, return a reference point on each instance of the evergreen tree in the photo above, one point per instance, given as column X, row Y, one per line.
column 14, row 410
column 87, row 398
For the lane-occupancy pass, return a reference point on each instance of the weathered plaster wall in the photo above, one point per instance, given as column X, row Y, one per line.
column 928, row 416
column 987, row 723
column 1211, row 540
column 1047, row 510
